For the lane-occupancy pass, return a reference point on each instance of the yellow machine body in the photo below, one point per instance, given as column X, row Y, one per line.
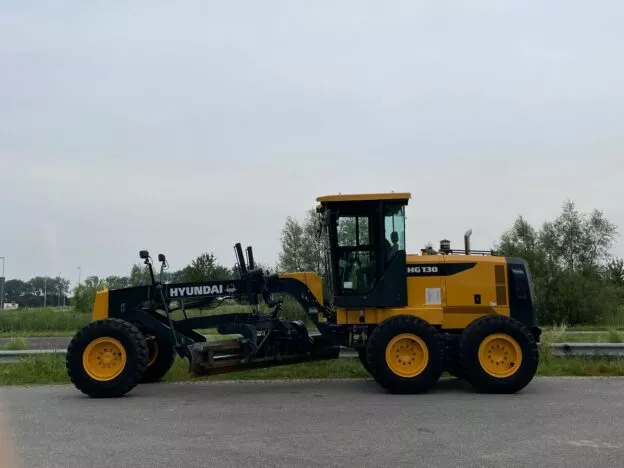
column 447, row 301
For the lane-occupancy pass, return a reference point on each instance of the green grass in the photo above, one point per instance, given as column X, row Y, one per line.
column 15, row 344
column 615, row 336
column 50, row 369
column 46, row 369
column 557, row 366
column 31, row 333
column 40, row 320
column 602, row 337
column 580, row 328
column 582, row 367
column 35, row 370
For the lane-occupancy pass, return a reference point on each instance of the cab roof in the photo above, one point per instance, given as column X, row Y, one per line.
column 364, row 197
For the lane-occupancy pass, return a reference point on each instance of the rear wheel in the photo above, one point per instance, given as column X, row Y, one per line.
column 498, row 355
column 107, row 358
column 161, row 358
column 405, row 355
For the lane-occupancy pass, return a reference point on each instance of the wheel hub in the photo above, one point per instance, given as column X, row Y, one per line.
column 407, row 355
column 104, row 359
column 500, row 355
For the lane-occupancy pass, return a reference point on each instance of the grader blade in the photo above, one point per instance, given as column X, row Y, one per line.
column 228, row 356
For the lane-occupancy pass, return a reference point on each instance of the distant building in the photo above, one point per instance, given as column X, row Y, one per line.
column 11, row 305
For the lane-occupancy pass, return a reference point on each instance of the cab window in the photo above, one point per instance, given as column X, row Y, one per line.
column 394, row 230
column 356, row 255
column 353, row 231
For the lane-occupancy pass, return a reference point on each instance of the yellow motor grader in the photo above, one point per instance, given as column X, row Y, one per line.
column 410, row 317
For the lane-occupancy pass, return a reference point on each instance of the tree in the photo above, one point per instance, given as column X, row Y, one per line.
column 139, row 275
column 291, row 258
column 303, row 245
column 60, row 290
column 117, row 282
column 614, row 272
column 84, row 294
column 16, row 288
column 576, row 241
column 523, row 241
column 173, row 276
column 205, row 268
column 38, row 285
column 569, row 261
column 20, row 292
column 315, row 244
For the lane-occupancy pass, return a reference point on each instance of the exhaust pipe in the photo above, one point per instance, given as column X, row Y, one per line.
column 467, row 241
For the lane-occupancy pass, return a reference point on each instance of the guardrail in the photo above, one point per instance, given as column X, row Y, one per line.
column 588, row 349
column 559, row 349
column 14, row 355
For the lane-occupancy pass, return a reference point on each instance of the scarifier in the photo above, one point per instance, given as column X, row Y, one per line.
column 409, row 317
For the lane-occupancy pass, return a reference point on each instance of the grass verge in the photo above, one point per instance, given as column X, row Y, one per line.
column 40, row 370
column 35, row 334
column 45, row 321
column 581, row 328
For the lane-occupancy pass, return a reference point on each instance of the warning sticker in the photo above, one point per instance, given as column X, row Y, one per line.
column 433, row 296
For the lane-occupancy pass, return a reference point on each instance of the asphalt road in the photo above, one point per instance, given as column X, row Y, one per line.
column 554, row 422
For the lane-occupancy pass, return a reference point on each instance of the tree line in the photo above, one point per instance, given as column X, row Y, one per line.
column 38, row 291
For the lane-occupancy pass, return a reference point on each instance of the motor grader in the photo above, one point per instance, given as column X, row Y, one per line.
column 410, row 317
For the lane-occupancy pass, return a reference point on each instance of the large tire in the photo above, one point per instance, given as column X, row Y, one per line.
column 107, row 358
column 405, row 355
column 161, row 358
column 498, row 355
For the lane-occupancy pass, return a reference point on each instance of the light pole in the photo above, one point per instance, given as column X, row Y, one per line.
column 45, row 291
column 79, row 271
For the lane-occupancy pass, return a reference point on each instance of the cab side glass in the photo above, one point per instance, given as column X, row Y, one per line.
column 394, row 227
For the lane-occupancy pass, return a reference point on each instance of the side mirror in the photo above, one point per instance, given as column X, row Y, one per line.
column 161, row 257
column 144, row 254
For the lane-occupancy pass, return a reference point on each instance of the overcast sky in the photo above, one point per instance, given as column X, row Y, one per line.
column 185, row 128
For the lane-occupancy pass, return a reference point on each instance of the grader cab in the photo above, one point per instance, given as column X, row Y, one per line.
column 410, row 317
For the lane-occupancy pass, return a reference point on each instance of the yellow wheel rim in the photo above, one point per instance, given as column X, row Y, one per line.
column 104, row 359
column 407, row 355
column 500, row 355
column 152, row 345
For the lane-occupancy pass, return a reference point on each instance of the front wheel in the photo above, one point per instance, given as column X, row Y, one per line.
column 405, row 355
column 498, row 355
column 107, row 358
